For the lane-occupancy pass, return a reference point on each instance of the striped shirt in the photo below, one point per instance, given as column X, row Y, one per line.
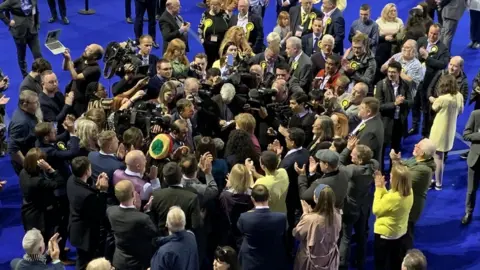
column 412, row 68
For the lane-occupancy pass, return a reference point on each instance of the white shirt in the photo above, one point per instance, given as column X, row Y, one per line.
column 262, row 207
column 293, row 151
column 105, row 154
column 355, row 131
column 126, row 207
column 242, row 21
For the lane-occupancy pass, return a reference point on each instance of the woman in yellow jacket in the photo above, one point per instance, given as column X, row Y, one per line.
column 391, row 208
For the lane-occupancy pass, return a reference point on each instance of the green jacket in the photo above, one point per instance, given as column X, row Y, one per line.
column 421, row 173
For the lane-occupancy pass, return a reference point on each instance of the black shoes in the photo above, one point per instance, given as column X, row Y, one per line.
column 474, row 45
column 155, row 45
column 464, row 155
column 129, row 20
column 467, row 219
column 54, row 19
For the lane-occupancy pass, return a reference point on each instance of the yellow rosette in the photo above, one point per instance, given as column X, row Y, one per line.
column 354, row 65
column 403, row 70
column 206, row 25
column 362, row 126
column 294, row 65
column 61, row 146
column 434, row 49
column 319, row 44
column 329, row 21
column 312, row 17
column 249, row 27
column 345, row 103
column 263, row 64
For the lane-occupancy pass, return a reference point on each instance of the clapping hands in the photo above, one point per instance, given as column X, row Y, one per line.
column 275, row 147
column 102, row 182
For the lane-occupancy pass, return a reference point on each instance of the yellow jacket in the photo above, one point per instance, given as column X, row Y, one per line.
column 392, row 211
column 277, row 186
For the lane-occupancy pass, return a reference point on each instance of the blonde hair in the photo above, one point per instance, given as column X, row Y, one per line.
column 176, row 45
column 386, row 9
column 98, row 116
column 99, row 264
column 401, row 181
column 246, row 121
column 230, row 37
column 240, row 179
column 87, row 132
column 176, row 219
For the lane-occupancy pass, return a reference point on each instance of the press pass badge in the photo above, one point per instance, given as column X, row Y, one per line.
column 213, row 38
column 299, row 31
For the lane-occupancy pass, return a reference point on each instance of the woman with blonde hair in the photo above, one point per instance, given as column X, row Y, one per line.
column 166, row 97
column 392, row 209
column 389, row 25
column 87, row 132
column 447, row 106
column 175, row 53
column 236, row 35
column 318, row 231
column 234, row 201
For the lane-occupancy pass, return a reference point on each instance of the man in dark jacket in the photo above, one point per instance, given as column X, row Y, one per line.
column 421, row 167
column 252, row 23
column 88, row 203
column 178, row 250
column 359, row 63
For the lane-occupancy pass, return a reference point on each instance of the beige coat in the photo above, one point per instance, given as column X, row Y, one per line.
column 444, row 126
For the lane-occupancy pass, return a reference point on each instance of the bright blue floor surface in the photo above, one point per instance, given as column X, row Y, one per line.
column 440, row 236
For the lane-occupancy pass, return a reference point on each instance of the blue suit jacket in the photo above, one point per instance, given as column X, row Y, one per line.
column 263, row 240
column 337, row 29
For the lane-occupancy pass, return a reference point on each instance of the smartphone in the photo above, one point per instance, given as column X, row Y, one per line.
column 230, row 60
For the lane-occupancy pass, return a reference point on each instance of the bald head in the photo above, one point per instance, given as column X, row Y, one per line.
column 257, row 70
column 124, row 191
column 455, row 67
column 93, row 52
column 136, row 161
column 173, row 7
column 425, row 149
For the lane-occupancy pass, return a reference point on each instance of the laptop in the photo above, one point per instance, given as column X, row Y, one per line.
column 53, row 44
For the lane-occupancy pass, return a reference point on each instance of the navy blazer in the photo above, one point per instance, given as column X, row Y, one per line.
column 60, row 158
column 54, row 109
column 263, row 240
column 152, row 64
column 288, row 163
column 308, row 47
column 337, row 29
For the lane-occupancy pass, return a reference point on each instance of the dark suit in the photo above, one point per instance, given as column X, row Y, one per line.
column 262, row 247
column 54, row 109
column 296, row 20
column 255, row 37
column 186, row 199
column 133, row 232
column 170, row 28
column 61, row 6
column 25, row 30
column 435, row 62
column 140, row 7
column 87, row 210
column 302, row 74
column 318, row 62
column 309, row 47
column 371, row 135
column 394, row 128
column 337, row 29
column 21, row 264
column 471, row 134
column 280, row 8
column 257, row 59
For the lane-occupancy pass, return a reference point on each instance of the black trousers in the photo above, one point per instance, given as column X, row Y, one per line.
column 472, row 187
column 474, row 23
column 211, row 50
column 395, row 142
column 63, row 218
column 410, row 236
column 388, row 254
column 160, row 7
column 61, row 7
column 140, row 8
column 30, row 40
column 420, row 106
column 128, row 8
column 357, row 222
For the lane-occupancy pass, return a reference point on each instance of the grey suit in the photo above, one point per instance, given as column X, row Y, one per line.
column 471, row 133
column 25, row 30
column 452, row 12
column 302, row 74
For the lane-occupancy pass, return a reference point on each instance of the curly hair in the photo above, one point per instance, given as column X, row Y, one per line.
column 240, row 145
column 230, row 36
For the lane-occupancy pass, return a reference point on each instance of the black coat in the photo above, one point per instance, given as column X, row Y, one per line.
column 38, row 207
column 87, row 211
column 296, row 20
column 435, row 61
column 386, row 97
column 336, row 28
column 170, row 30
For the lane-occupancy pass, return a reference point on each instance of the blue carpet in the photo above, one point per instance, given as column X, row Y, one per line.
column 446, row 244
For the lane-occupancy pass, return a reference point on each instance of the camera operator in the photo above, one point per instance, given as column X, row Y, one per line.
column 164, row 74
column 198, row 68
column 131, row 76
column 83, row 71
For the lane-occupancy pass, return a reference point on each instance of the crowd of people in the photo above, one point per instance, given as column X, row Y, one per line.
column 250, row 155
